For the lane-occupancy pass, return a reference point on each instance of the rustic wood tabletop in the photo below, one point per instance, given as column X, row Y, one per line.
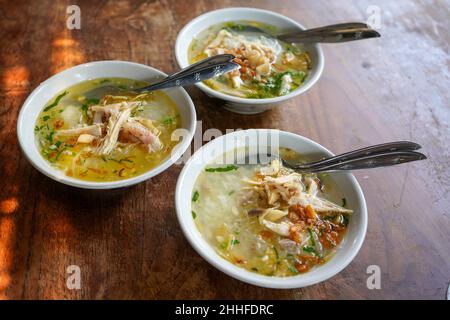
column 128, row 243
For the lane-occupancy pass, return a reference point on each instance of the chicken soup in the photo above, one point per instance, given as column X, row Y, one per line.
column 96, row 137
column 269, row 67
column 269, row 219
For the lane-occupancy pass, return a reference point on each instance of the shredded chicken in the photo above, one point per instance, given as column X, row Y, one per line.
column 114, row 107
column 113, row 122
column 255, row 57
column 95, row 130
column 143, row 134
column 285, row 197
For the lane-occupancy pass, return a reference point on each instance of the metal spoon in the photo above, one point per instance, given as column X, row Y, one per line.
column 384, row 149
column 203, row 70
column 366, row 162
column 335, row 33
column 386, row 154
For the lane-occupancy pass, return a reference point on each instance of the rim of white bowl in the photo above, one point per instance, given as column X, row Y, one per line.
column 57, row 176
column 303, row 88
column 299, row 281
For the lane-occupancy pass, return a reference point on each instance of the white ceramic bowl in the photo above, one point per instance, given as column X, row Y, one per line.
column 241, row 139
column 236, row 104
column 88, row 71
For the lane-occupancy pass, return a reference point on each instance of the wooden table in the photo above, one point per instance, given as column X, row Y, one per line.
column 128, row 243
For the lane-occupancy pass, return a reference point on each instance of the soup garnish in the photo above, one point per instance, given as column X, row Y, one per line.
column 269, row 219
column 104, row 137
column 269, row 67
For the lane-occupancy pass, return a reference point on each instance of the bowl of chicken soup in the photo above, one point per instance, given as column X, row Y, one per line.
column 85, row 126
column 271, row 71
column 262, row 223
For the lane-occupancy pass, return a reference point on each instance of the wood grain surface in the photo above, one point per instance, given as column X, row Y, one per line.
column 128, row 243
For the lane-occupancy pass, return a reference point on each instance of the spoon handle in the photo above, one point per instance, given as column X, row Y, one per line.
column 371, row 161
column 193, row 76
column 340, row 27
column 332, row 34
